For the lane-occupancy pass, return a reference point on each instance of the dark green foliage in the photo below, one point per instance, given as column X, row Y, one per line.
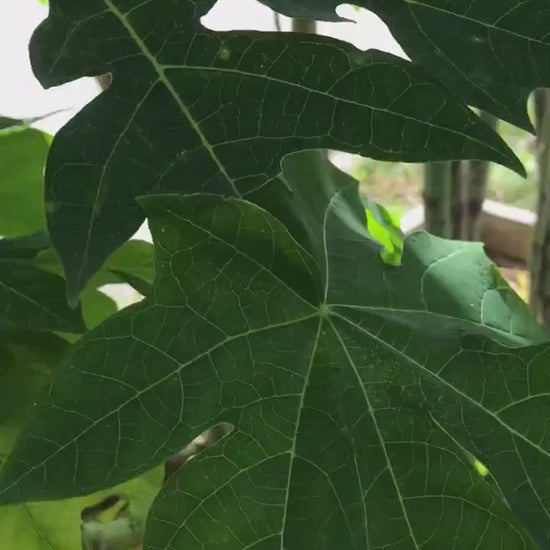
column 182, row 114
column 340, row 375
column 382, row 392
column 23, row 153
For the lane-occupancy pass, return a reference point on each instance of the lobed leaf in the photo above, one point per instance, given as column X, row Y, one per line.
column 362, row 395
column 193, row 110
column 478, row 49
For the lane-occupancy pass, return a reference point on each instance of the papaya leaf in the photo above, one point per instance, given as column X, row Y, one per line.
column 96, row 307
column 478, row 49
column 194, row 110
column 23, row 153
column 385, row 230
column 361, row 394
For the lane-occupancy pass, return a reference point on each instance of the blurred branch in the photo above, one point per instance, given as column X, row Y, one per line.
column 540, row 247
column 304, row 25
column 437, row 198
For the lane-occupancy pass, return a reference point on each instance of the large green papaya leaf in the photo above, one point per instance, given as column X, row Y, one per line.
column 194, row 110
column 361, row 394
column 23, row 153
column 492, row 54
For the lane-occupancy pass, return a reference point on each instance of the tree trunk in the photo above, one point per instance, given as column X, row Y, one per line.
column 540, row 250
column 453, row 195
column 437, row 198
column 475, row 189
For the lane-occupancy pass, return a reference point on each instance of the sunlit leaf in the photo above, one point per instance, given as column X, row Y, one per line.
column 23, row 154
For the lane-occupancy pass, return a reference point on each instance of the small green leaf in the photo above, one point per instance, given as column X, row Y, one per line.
column 42, row 526
column 385, row 230
column 135, row 258
column 23, row 154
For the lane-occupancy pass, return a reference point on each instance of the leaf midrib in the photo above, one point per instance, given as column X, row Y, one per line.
column 161, row 68
column 180, row 367
column 378, row 435
column 329, row 95
column 476, row 326
column 297, row 427
column 444, row 382
column 321, row 313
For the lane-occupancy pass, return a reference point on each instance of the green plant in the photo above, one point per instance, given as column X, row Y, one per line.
column 369, row 405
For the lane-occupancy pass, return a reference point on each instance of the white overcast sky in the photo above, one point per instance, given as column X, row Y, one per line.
column 22, row 96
